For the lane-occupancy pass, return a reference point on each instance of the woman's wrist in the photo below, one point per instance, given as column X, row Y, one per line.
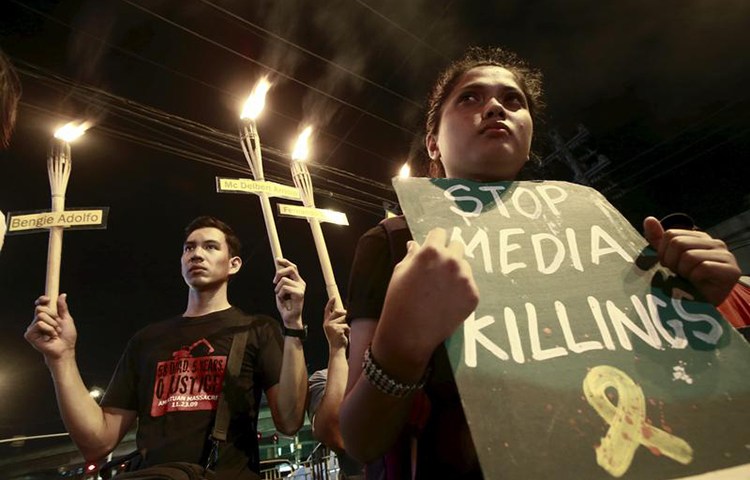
column 405, row 365
column 379, row 378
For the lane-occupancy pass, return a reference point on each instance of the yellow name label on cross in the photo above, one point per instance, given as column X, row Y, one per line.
column 628, row 428
column 247, row 185
column 322, row 214
column 72, row 218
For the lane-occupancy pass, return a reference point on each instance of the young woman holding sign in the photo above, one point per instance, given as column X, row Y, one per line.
column 480, row 124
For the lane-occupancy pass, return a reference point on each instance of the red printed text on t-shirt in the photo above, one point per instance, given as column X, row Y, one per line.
column 188, row 384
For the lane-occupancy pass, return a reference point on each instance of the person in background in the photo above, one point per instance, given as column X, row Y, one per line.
column 326, row 391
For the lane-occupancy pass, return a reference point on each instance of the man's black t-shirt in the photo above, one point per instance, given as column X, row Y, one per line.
column 172, row 373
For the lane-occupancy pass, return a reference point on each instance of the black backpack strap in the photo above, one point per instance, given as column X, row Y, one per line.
column 234, row 365
column 223, row 415
column 398, row 234
column 400, row 461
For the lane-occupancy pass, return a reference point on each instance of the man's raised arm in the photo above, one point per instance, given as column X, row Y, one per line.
column 287, row 399
column 95, row 430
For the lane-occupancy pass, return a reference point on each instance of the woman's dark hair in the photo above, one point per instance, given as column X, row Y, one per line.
column 10, row 93
column 528, row 78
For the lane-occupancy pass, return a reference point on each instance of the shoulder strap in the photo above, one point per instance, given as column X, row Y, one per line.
column 221, row 422
column 397, row 232
column 401, row 459
column 234, row 365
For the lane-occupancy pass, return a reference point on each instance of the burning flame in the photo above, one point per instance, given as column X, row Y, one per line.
column 71, row 131
column 405, row 171
column 301, row 148
column 256, row 101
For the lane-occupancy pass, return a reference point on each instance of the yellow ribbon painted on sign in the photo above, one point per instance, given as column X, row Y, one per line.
column 627, row 422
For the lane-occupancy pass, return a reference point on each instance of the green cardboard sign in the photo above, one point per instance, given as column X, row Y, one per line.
column 584, row 358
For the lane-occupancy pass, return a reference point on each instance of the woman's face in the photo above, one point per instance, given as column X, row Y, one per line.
column 485, row 127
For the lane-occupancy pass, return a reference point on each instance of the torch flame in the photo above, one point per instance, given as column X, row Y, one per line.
column 301, row 148
column 71, row 131
column 405, row 171
column 256, row 101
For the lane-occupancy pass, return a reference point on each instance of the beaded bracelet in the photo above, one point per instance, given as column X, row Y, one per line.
column 382, row 381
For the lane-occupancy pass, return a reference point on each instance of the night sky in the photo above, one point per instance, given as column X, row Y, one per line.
column 660, row 86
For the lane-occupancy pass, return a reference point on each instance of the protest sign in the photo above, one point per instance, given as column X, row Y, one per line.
column 584, row 358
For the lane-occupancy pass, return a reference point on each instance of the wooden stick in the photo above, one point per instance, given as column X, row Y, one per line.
column 302, row 181
column 325, row 262
column 250, row 141
column 273, row 236
column 251, row 148
column 58, row 170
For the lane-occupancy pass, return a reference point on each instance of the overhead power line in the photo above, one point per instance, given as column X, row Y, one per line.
column 91, row 95
column 403, row 30
column 141, row 114
column 704, row 119
column 685, row 161
column 311, row 53
column 393, row 74
column 269, row 68
column 194, row 79
column 373, row 208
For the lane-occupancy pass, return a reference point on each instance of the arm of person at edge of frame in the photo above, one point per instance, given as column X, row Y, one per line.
column 287, row 398
column 695, row 256
column 433, row 281
column 3, row 228
column 325, row 421
column 95, row 430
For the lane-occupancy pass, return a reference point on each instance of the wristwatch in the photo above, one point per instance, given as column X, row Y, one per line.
column 300, row 333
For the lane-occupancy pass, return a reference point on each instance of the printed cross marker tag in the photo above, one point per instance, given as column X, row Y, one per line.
column 42, row 220
column 321, row 214
column 249, row 186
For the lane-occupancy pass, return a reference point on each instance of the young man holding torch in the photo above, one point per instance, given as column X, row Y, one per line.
column 172, row 372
